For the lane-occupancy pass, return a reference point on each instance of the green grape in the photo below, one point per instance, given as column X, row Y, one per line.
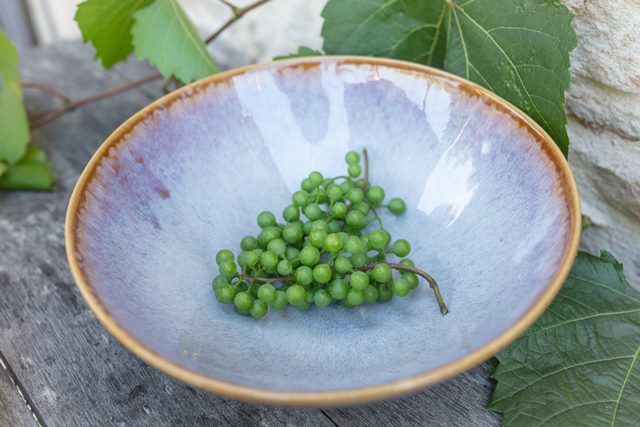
column 379, row 239
column 356, row 220
column 300, row 199
column 243, row 259
column 353, row 245
column 342, row 265
column 322, row 273
column 345, row 304
column 292, row 233
column 228, row 269
column 225, row 294
column 334, row 192
column 223, row 256
column 307, row 185
column 303, row 306
column 354, row 297
column 268, row 234
column 280, row 301
column 317, row 237
column 358, row 260
column 401, row 248
column 316, row 178
column 291, row 213
column 284, row 267
column 320, row 224
column 327, row 182
column 242, row 300
column 355, row 195
column 308, row 297
column 365, row 242
column 242, row 311
column 339, row 210
column 401, row 287
column 397, row 206
column 370, row 294
column 343, row 236
column 321, row 298
column 219, row 281
column 352, row 157
column 381, row 273
column 267, row 292
column 354, row 170
column 407, row 262
column 295, row 295
column 292, row 254
column 338, row 289
column 269, row 260
column 359, row 183
column 334, row 226
column 307, row 227
column 375, row 194
column 333, row 243
column 277, row 246
column 313, row 211
column 346, row 185
column 320, row 195
column 266, row 219
column 248, row 243
column 303, row 275
column 384, row 293
column 362, row 207
column 359, row 280
column 258, row 309
column 309, row 256
column 411, row 278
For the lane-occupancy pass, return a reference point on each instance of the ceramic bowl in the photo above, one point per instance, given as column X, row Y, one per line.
column 492, row 213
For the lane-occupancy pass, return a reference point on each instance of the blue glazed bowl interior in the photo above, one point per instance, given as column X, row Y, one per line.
column 487, row 217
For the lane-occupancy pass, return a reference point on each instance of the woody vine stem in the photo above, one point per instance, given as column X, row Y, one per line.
column 71, row 105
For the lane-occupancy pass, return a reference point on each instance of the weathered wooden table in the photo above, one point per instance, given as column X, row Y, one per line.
column 59, row 367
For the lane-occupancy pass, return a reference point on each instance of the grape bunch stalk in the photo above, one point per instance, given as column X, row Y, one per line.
column 333, row 257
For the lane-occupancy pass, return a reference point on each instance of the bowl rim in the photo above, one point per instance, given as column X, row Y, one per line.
column 343, row 396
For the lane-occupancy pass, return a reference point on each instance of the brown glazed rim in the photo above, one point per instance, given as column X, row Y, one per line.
column 347, row 396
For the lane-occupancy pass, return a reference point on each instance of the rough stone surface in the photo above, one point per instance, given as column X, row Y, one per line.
column 604, row 127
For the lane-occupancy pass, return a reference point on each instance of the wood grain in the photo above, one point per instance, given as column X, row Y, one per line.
column 73, row 370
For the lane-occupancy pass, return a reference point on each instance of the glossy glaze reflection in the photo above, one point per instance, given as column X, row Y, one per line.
column 486, row 215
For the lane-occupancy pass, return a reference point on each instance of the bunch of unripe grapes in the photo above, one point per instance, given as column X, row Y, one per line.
column 331, row 257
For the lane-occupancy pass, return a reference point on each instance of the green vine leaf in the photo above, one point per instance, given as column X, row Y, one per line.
column 518, row 49
column 14, row 128
column 302, row 52
column 107, row 25
column 163, row 34
column 31, row 172
column 578, row 365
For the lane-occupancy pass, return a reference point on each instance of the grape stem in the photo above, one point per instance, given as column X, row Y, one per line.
column 275, row 279
column 365, row 160
column 432, row 282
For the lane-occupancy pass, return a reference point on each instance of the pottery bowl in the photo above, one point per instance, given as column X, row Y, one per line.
column 492, row 214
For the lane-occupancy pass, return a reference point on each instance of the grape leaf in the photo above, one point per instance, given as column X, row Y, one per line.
column 302, row 51
column 163, row 34
column 578, row 365
column 14, row 128
column 518, row 49
column 107, row 25
column 31, row 172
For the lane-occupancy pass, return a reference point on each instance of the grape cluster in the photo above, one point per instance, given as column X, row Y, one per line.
column 330, row 257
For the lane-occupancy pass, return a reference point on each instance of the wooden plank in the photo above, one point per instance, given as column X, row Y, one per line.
column 460, row 401
column 15, row 409
column 73, row 370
